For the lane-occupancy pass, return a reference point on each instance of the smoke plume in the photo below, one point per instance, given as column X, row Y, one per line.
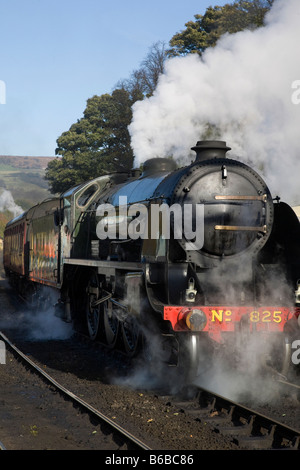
column 37, row 325
column 243, row 91
column 7, row 203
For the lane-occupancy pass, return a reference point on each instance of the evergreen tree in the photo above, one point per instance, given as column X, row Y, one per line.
column 96, row 144
column 205, row 31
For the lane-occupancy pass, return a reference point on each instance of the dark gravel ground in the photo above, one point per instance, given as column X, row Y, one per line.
column 31, row 418
column 125, row 391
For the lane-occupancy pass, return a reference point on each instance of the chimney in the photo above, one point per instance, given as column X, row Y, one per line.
column 207, row 149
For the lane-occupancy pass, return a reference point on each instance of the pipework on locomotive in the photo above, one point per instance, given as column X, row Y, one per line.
column 238, row 282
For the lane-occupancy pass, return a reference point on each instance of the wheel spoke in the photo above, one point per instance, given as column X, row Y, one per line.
column 130, row 336
column 93, row 311
column 111, row 324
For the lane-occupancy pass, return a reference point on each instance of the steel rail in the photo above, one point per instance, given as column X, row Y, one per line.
column 289, row 385
column 276, row 432
column 116, row 427
column 2, row 446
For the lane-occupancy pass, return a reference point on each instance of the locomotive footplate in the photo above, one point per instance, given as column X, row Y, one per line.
column 218, row 319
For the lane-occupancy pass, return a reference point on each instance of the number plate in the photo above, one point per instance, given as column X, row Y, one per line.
column 263, row 318
column 227, row 318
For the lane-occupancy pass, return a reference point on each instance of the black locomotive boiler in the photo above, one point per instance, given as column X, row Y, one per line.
column 219, row 273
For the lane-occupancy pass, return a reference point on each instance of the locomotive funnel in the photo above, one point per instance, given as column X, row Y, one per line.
column 158, row 165
column 207, row 149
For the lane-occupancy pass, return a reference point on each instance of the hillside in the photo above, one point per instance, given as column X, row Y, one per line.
column 25, row 162
column 23, row 178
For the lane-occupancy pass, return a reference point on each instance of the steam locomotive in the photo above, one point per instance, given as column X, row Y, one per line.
column 197, row 258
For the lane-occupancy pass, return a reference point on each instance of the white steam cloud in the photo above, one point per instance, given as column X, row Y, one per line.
column 37, row 325
column 243, row 89
column 7, row 203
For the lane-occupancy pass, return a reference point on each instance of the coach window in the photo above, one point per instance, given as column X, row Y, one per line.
column 87, row 195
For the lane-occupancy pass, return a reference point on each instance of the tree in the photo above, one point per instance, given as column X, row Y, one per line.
column 153, row 67
column 208, row 28
column 96, row 144
column 99, row 142
column 143, row 81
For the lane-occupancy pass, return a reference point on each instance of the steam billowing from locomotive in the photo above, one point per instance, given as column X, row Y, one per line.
column 192, row 300
column 240, row 91
column 238, row 286
column 7, row 203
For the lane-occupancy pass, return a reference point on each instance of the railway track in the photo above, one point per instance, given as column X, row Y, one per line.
column 247, row 428
column 289, row 386
column 124, row 437
column 243, row 426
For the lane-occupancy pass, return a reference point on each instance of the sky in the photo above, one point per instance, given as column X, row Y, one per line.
column 55, row 54
column 247, row 88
